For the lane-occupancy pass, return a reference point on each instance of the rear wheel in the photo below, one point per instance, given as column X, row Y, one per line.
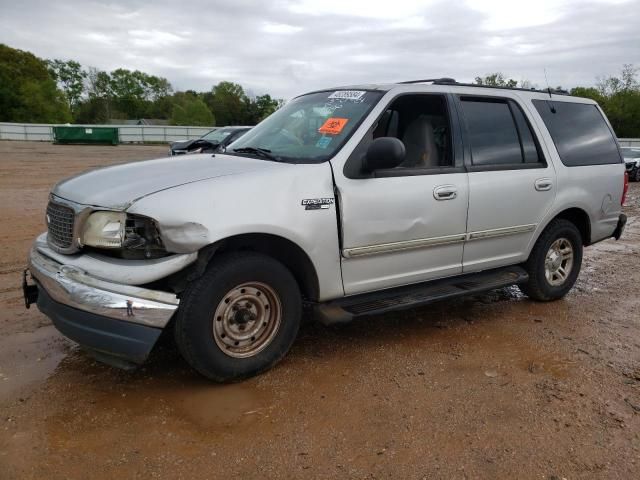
column 240, row 318
column 555, row 261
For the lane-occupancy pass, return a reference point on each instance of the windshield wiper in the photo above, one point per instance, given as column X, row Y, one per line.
column 262, row 152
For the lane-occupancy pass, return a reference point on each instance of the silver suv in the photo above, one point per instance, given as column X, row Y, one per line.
column 349, row 201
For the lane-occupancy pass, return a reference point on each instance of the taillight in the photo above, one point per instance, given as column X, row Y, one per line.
column 625, row 188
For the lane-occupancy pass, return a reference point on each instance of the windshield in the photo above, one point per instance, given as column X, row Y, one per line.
column 310, row 128
column 629, row 153
column 217, row 136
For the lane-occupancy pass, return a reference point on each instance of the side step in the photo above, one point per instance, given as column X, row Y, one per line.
column 411, row 296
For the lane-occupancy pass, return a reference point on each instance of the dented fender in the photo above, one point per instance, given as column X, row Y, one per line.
column 187, row 237
column 281, row 200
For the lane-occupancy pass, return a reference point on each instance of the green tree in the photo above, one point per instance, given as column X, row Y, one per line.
column 260, row 108
column 134, row 92
column 192, row 111
column 27, row 91
column 497, row 79
column 619, row 97
column 589, row 92
column 70, row 77
column 227, row 101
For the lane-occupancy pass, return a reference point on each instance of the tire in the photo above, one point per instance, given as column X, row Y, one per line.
column 635, row 174
column 240, row 294
column 547, row 285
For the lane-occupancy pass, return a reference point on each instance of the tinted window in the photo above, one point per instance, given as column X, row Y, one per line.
column 529, row 146
column 492, row 132
column 579, row 132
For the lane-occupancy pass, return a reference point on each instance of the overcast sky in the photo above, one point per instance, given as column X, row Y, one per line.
column 286, row 47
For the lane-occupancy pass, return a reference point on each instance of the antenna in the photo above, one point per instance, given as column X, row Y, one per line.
column 551, row 105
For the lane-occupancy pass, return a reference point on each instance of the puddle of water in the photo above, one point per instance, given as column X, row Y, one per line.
column 27, row 358
column 222, row 406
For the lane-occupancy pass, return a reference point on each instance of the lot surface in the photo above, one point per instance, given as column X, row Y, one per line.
column 494, row 386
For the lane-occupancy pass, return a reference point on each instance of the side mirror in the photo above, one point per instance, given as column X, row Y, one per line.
column 384, row 152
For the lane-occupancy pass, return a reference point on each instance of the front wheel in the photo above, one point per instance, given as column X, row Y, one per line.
column 554, row 263
column 240, row 318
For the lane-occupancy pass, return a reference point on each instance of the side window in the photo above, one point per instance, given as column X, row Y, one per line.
column 579, row 132
column 499, row 133
column 421, row 122
column 530, row 150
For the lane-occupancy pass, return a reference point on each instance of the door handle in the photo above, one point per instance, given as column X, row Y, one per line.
column 445, row 192
column 543, row 184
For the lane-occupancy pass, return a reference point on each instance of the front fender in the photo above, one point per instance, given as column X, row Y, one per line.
column 268, row 201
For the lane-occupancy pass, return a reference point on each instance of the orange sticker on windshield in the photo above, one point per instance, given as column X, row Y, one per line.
column 333, row 126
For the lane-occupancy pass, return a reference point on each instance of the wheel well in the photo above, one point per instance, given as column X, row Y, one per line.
column 580, row 219
column 283, row 250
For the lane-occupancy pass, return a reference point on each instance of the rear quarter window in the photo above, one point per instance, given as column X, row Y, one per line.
column 579, row 132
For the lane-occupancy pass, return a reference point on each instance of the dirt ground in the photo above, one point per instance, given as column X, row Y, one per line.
column 493, row 386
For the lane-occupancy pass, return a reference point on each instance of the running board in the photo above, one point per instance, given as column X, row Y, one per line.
column 411, row 296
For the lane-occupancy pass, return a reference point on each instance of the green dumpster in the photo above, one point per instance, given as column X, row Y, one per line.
column 93, row 135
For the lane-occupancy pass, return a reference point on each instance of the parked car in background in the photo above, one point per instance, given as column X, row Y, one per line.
column 350, row 202
column 212, row 142
column 631, row 157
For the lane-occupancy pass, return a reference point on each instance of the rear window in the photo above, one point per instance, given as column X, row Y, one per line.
column 580, row 133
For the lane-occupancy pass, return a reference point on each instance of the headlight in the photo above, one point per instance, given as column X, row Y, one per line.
column 125, row 235
column 104, row 230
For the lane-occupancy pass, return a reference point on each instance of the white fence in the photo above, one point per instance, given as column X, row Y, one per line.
column 629, row 142
column 128, row 133
column 43, row 132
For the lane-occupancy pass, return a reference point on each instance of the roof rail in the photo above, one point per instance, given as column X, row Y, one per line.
column 443, row 80
column 451, row 81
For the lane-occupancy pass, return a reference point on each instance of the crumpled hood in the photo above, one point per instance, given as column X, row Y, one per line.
column 117, row 187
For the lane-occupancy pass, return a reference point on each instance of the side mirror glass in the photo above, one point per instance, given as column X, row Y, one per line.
column 384, row 152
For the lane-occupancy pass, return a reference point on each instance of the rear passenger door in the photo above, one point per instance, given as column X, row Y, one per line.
column 511, row 186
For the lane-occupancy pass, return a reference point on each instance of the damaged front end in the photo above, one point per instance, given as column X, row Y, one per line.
column 103, row 303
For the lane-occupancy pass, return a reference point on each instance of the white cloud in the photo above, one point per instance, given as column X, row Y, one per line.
column 286, row 47
column 153, row 38
column 398, row 9
column 280, row 28
column 100, row 38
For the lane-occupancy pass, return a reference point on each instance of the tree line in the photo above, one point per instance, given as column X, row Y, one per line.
column 34, row 90
column 619, row 97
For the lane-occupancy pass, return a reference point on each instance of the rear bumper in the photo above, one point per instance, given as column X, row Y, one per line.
column 622, row 221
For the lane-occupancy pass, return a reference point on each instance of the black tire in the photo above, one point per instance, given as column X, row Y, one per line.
column 194, row 331
column 635, row 174
column 538, row 287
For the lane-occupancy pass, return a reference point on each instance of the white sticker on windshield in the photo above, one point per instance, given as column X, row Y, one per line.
column 348, row 94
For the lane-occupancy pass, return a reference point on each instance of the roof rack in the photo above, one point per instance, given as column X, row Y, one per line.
column 442, row 80
column 451, row 81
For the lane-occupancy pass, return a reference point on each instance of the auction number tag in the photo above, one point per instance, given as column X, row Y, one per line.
column 333, row 125
column 348, row 94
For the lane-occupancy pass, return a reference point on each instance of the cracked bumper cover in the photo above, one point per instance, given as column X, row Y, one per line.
column 119, row 323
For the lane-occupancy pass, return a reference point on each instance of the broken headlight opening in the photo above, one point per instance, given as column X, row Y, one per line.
column 122, row 235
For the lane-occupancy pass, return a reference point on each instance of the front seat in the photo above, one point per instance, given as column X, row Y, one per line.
column 420, row 144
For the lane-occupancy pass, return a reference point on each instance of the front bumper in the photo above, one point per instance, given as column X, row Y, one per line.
column 115, row 321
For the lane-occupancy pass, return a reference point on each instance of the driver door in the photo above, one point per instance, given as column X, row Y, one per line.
column 406, row 224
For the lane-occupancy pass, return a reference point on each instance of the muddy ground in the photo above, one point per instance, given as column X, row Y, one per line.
column 494, row 386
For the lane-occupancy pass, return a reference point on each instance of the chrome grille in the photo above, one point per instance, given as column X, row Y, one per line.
column 60, row 220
